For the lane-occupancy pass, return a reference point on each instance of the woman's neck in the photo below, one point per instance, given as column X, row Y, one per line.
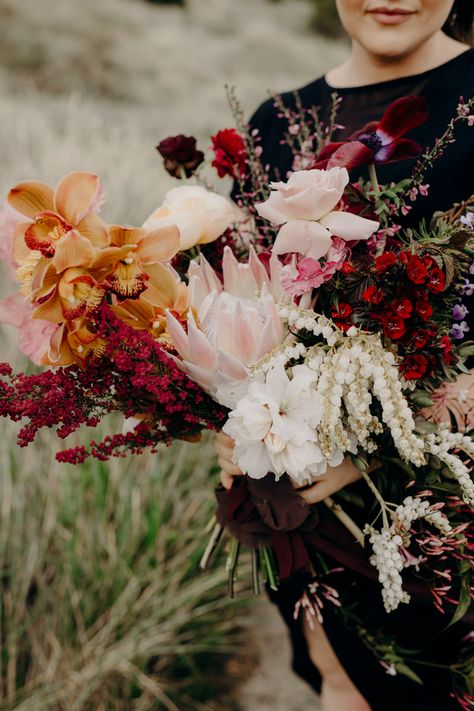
column 362, row 67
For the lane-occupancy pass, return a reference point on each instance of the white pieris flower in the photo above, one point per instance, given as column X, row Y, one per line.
column 274, row 425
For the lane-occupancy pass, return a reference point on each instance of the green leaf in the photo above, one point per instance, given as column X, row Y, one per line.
column 464, row 603
column 406, row 671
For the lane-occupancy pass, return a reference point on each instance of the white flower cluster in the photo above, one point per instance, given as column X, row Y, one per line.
column 440, row 444
column 414, row 508
column 389, row 546
column 389, row 561
column 355, row 368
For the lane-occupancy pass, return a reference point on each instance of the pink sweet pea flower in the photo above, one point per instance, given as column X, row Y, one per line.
column 298, row 278
column 306, row 206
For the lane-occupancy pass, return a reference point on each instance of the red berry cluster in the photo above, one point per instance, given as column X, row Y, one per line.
column 134, row 376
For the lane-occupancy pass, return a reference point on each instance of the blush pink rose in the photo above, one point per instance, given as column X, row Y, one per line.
column 306, row 207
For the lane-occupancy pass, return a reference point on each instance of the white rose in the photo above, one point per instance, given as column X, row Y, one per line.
column 200, row 215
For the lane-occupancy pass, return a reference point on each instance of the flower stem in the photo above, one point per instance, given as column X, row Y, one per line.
column 373, row 178
column 379, row 498
column 255, row 566
column 211, row 546
column 345, row 519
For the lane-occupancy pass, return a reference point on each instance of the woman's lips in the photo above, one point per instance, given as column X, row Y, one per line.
column 389, row 16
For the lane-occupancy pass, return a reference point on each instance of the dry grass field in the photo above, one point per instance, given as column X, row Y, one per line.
column 100, row 605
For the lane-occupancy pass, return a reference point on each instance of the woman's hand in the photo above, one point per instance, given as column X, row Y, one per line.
column 224, row 447
column 333, row 480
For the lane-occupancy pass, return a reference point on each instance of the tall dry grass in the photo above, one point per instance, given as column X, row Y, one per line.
column 102, row 606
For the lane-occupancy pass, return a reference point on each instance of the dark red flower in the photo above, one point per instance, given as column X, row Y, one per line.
column 446, row 348
column 414, row 367
column 424, row 309
column 394, row 326
column 420, row 338
column 436, row 280
column 230, row 153
column 373, row 295
column 379, row 141
column 341, row 311
column 416, row 270
column 402, row 307
column 180, row 155
column 384, row 262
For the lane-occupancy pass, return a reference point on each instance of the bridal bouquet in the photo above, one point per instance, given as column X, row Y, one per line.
column 303, row 321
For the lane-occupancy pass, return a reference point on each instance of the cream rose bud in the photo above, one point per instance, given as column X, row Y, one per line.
column 307, row 195
column 200, row 215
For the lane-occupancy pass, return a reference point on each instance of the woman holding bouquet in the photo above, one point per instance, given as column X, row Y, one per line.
column 398, row 48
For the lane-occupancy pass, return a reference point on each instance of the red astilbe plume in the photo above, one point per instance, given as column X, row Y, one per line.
column 135, row 377
column 379, row 141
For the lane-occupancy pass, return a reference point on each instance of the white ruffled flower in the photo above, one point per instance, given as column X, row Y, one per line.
column 274, row 425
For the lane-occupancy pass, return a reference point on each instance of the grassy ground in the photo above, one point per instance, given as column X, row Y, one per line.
column 101, row 607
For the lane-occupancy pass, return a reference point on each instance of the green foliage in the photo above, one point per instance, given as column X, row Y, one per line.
column 102, row 605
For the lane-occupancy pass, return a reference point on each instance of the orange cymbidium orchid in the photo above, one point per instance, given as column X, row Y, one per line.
column 52, row 213
column 138, row 270
column 148, row 312
column 72, row 343
column 70, row 284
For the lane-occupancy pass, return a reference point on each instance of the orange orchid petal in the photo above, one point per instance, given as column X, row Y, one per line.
column 162, row 287
column 79, row 294
column 182, row 300
column 159, row 245
column 106, row 261
column 73, row 250
column 43, row 279
column 50, row 310
column 135, row 312
column 128, row 280
column 20, row 251
column 120, row 235
column 94, row 229
column 45, row 231
column 84, row 342
column 31, row 197
column 75, row 194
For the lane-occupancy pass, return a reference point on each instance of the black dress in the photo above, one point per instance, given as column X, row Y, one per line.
column 451, row 180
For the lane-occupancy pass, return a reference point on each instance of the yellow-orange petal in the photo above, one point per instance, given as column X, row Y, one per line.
column 73, row 250
column 31, row 197
column 106, row 261
column 159, row 245
column 20, row 250
column 43, row 279
column 84, row 342
column 94, row 229
column 135, row 312
column 50, row 310
column 162, row 287
column 75, row 194
column 79, row 294
column 120, row 236
column 59, row 352
column 182, row 300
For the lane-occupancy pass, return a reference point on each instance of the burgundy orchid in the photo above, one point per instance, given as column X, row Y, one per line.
column 379, row 141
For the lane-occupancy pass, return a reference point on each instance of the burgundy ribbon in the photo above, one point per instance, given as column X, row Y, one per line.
column 266, row 513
